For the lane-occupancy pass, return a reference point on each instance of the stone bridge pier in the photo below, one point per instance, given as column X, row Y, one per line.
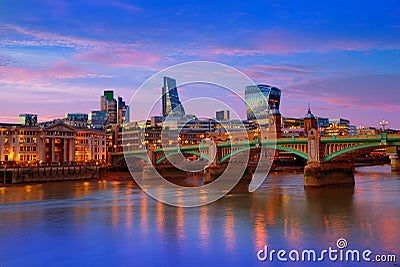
column 318, row 173
column 214, row 169
column 149, row 171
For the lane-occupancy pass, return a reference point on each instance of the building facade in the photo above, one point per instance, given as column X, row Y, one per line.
column 28, row 119
column 90, row 145
column 54, row 144
column 110, row 105
column 310, row 122
column 76, row 120
column 98, row 119
column 222, row 115
column 123, row 111
column 260, row 99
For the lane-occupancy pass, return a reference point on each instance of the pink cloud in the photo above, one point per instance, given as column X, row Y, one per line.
column 283, row 69
column 44, row 76
column 277, row 41
column 283, row 42
column 65, row 70
column 16, row 35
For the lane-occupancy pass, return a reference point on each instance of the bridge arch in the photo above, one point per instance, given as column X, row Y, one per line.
column 277, row 147
column 362, row 149
column 127, row 155
column 183, row 152
column 291, row 150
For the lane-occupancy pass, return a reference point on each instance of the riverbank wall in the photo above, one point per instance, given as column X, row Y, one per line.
column 20, row 175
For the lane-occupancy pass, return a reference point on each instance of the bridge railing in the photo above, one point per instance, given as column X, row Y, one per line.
column 393, row 136
column 284, row 140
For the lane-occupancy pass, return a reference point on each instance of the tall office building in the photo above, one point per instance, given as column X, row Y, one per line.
column 170, row 99
column 109, row 104
column 123, row 111
column 260, row 99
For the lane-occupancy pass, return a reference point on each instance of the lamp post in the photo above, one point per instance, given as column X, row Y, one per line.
column 179, row 141
column 360, row 130
column 383, row 123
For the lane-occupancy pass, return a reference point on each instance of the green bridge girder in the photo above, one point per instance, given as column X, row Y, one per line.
column 184, row 152
column 268, row 146
column 136, row 154
column 372, row 141
column 350, row 149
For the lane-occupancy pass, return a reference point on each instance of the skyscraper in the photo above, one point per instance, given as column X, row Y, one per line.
column 170, row 99
column 123, row 111
column 260, row 100
column 109, row 104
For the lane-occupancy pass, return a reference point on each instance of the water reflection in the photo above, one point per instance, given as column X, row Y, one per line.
column 204, row 228
column 180, row 224
column 143, row 215
column 160, row 217
column 230, row 230
column 260, row 233
column 115, row 206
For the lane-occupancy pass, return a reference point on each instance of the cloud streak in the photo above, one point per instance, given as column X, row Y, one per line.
column 282, row 42
column 119, row 57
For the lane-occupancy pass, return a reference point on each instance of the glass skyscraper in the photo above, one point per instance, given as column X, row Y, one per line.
column 109, row 104
column 170, row 99
column 260, row 100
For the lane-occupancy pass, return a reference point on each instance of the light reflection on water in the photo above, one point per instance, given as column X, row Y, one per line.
column 115, row 223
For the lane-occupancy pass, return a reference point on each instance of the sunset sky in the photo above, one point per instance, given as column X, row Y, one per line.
column 343, row 58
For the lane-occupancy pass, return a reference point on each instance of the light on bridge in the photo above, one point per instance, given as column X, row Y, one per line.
column 383, row 123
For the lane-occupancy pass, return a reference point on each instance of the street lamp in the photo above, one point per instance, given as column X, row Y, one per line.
column 179, row 141
column 383, row 123
column 360, row 130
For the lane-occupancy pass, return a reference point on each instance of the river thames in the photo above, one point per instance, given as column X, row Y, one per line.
column 114, row 223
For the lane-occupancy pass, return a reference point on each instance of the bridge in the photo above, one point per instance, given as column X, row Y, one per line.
column 330, row 160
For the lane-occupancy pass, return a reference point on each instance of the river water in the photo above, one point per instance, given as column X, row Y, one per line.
column 113, row 223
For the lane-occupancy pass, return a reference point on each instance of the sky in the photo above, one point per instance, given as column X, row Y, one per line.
column 342, row 58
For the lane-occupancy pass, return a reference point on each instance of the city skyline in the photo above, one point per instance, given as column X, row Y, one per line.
column 334, row 57
column 215, row 106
